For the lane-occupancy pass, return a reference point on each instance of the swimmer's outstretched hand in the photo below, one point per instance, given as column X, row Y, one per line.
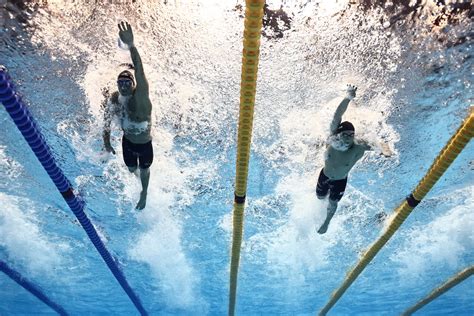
column 351, row 91
column 125, row 33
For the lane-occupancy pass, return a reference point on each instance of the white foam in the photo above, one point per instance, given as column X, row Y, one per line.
column 23, row 240
column 225, row 223
column 160, row 243
column 296, row 247
column 439, row 244
column 160, row 247
column 10, row 167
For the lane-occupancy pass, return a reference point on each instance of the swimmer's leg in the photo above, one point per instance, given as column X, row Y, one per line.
column 145, row 161
column 145, row 179
column 129, row 156
column 133, row 170
column 332, row 207
column 322, row 188
column 321, row 197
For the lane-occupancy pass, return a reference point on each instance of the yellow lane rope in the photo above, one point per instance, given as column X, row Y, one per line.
column 455, row 280
column 452, row 149
column 248, row 86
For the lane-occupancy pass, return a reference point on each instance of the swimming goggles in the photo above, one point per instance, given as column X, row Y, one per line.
column 347, row 134
column 125, row 83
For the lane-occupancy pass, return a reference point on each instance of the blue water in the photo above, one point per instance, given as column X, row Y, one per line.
column 415, row 89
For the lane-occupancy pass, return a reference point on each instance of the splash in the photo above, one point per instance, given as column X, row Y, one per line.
column 160, row 244
column 22, row 238
column 442, row 243
column 191, row 54
column 295, row 246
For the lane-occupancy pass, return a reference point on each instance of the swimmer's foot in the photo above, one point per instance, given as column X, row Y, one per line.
column 142, row 202
column 323, row 229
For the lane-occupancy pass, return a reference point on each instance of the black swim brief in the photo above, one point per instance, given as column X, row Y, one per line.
column 334, row 187
column 137, row 154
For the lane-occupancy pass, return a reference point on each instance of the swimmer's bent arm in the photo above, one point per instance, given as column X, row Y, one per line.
column 364, row 145
column 382, row 148
column 107, row 122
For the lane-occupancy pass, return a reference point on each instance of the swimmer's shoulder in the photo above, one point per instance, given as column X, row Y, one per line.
column 357, row 151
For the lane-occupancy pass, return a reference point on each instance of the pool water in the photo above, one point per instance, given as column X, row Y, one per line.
column 414, row 79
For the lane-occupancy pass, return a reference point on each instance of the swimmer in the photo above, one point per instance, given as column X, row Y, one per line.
column 342, row 152
column 131, row 103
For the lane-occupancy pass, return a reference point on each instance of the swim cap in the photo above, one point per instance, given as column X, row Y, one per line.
column 126, row 75
column 345, row 126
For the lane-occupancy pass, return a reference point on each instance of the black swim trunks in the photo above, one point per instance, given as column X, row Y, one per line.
column 137, row 154
column 335, row 187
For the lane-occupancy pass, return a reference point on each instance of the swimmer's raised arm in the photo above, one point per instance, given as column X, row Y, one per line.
column 342, row 107
column 126, row 36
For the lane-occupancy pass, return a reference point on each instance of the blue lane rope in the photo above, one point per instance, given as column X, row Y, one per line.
column 30, row 287
column 28, row 127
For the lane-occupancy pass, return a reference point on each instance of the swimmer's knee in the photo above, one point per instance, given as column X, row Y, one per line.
column 334, row 198
column 145, row 165
column 321, row 194
column 144, row 170
column 321, row 197
column 132, row 169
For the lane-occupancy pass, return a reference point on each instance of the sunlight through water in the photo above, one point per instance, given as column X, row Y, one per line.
column 412, row 62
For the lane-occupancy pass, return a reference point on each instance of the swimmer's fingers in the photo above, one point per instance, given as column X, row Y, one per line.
column 125, row 33
column 352, row 87
column 125, row 26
